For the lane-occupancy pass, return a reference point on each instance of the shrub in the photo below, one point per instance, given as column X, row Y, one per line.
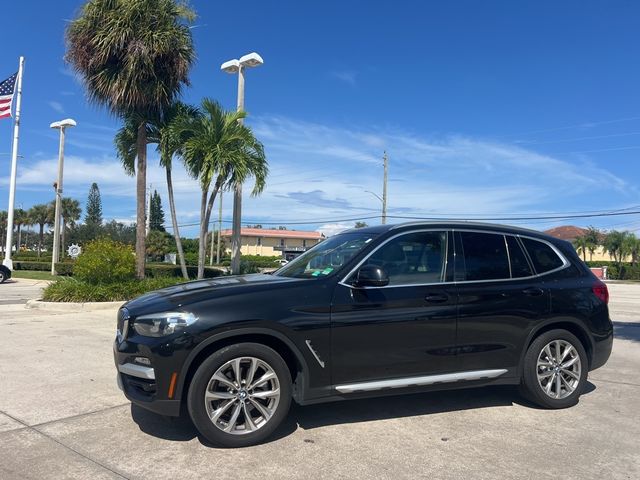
column 105, row 261
column 74, row 290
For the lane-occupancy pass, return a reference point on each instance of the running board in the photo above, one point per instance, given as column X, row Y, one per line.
column 420, row 381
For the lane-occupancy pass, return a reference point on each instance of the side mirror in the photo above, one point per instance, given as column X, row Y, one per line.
column 371, row 276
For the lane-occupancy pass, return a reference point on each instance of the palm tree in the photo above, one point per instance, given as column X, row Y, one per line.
column 616, row 245
column 134, row 57
column 594, row 239
column 70, row 212
column 581, row 244
column 20, row 218
column 3, row 229
column 41, row 215
column 159, row 132
column 218, row 149
column 632, row 247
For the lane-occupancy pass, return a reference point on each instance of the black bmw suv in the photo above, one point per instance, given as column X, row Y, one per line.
column 372, row 311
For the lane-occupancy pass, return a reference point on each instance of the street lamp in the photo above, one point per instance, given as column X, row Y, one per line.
column 238, row 66
column 61, row 125
column 384, row 211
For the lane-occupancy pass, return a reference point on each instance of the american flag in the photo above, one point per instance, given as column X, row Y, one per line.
column 6, row 95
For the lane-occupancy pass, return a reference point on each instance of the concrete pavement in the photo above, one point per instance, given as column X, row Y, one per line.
column 62, row 416
column 17, row 291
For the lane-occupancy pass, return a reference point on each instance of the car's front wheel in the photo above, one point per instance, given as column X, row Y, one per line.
column 555, row 370
column 240, row 394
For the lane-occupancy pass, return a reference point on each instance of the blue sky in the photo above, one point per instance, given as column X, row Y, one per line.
column 487, row 109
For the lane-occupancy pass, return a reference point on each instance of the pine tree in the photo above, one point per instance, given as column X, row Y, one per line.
column 93, row 217
column 156, row 214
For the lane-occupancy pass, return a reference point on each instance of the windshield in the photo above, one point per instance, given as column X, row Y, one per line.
column 327, row 257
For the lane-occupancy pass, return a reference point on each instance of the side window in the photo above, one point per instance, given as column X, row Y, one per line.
column 413, row 258
column 519, row 265
column 485, row 256
column 542, row 256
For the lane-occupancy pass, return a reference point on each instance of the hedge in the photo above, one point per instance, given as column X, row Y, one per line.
column 163, row 270
column 62, row 268
column 626, row 272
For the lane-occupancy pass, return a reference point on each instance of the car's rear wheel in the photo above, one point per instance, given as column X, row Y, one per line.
column 3, row 275
column 555, row 370
column 240, row 394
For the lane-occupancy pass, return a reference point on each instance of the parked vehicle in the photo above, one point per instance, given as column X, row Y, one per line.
column 372, row 311
column 5, row 274
column 283, row 261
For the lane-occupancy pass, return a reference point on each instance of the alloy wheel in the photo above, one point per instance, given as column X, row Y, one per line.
column 558, row 369
column 242, row 395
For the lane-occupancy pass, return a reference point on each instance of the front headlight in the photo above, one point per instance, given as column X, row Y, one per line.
column 162, row 324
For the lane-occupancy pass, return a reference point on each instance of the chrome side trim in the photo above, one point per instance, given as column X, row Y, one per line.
column 314, row 353
column 137, row 371
column 420, row 381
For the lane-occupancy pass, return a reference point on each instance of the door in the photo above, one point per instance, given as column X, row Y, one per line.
column 499, row 300
column 406, row 328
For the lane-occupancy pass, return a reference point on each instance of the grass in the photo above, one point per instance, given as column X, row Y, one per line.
column 33, row 274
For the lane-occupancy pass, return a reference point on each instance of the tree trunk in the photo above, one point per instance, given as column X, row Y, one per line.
column 141, row 191
column 203, row 234
column 174, row 221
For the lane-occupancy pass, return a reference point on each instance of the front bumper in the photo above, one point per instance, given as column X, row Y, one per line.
column 146, row 386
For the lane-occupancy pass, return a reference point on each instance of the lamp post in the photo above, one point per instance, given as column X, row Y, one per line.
column 238, row 66
column 61, row 125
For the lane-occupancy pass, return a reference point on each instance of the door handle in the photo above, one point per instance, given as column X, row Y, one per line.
column 436, row 297
column 533, row 291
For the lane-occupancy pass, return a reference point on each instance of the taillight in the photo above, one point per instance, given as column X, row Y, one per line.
column 601, row 291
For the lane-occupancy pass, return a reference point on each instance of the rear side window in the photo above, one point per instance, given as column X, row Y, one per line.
column 543, row 257
column 519, row 265
column 485, row 256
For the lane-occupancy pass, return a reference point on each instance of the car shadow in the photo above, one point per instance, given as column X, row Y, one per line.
column 627, row 331
column 181, row 428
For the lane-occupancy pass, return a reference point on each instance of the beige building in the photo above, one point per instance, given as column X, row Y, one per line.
column 570, row 233
column 267, row 243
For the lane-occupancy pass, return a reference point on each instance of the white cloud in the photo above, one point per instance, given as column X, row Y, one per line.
column 329, row 229
column 57, row 106
column 319, row 174
column 346, row 76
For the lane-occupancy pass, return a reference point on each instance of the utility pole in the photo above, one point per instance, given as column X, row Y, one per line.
column 219, row 230
column 384, row 188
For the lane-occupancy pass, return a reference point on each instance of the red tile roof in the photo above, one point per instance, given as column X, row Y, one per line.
column 566, row 232
column 265, row 232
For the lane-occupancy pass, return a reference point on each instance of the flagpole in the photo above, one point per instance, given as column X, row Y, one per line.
column 14, row 170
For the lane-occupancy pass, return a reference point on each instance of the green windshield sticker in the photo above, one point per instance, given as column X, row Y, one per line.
column 316, row 273
column 327, row 271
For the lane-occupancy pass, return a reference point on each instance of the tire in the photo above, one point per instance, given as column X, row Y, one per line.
column 249, row 411
column 3, row 276
column 547, row 383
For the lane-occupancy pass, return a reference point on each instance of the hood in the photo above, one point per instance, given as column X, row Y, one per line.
column 183, row 294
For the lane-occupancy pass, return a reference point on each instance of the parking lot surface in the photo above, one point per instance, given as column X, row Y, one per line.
column 62, row 416
column 17, row 291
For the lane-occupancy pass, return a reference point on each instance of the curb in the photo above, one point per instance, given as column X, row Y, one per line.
column 71, row 306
